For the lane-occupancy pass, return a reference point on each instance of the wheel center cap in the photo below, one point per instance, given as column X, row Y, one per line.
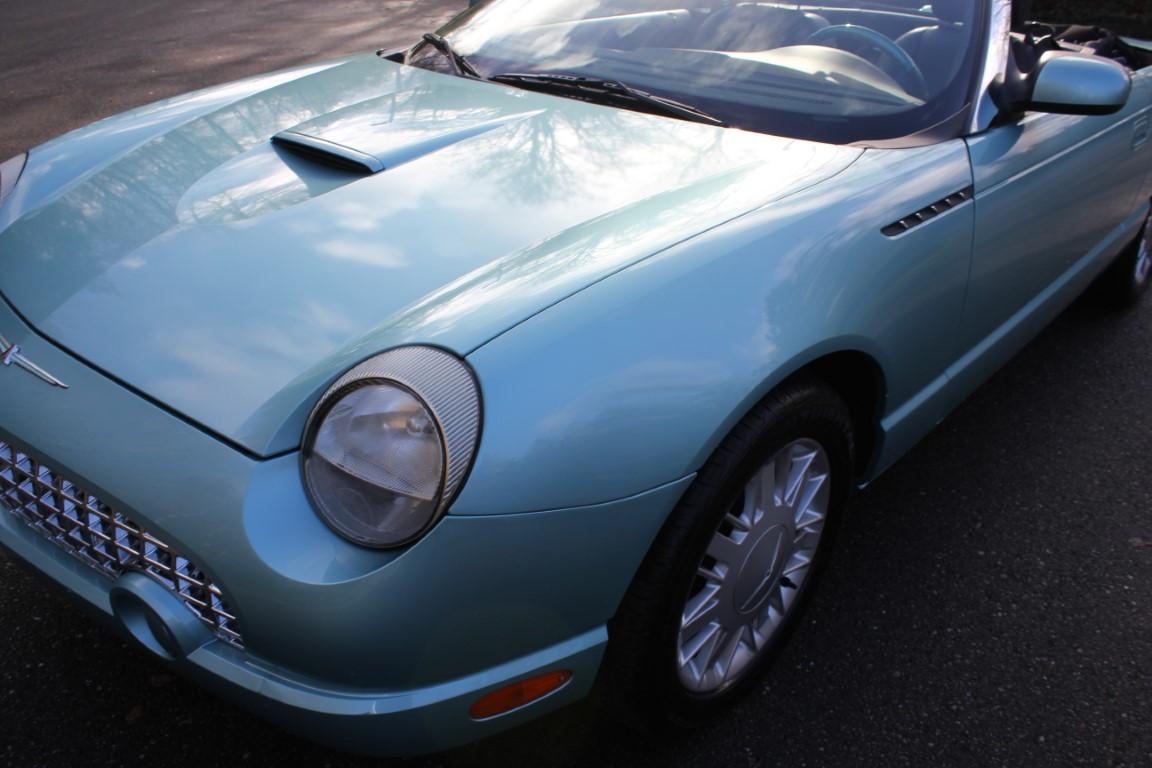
column 759, row 571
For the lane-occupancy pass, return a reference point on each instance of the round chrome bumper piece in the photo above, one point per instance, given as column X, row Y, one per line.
column 156, row 618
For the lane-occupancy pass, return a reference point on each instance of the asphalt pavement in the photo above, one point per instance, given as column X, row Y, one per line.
column 990, row 603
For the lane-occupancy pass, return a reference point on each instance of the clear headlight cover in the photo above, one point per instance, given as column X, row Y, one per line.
column 376, row 467
column 390, row 444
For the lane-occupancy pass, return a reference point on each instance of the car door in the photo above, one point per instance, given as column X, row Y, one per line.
column 1142, row 131
column 1049, row 190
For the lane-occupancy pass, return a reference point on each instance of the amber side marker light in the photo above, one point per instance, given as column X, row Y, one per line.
column 514, row 696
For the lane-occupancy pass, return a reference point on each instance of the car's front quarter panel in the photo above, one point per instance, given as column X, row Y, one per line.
column 634, row 381
column 333, row 634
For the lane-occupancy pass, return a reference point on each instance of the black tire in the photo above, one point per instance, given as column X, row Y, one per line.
column 1127, row 279
column 642, row 684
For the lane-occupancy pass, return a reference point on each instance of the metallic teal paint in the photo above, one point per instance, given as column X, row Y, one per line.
column 258, row 536
column 625, row 286
column 397, row 721
column 615, row 380
column 311, row 667
column 308, row 270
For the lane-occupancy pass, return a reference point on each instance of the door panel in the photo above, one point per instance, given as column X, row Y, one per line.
column 1142, row 140
column 1050, row 189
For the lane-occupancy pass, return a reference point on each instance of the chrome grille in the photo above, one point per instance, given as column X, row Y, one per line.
column 86, row 528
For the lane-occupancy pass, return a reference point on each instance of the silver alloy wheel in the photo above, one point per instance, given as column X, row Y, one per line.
column 754, row 567
column 1144, row 256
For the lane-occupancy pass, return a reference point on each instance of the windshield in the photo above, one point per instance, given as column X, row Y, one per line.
column 841, row 72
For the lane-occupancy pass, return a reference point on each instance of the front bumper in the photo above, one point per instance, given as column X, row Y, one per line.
column 375, row 652
column 394, row 723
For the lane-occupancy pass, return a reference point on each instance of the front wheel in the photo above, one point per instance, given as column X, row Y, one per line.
column 727, row 578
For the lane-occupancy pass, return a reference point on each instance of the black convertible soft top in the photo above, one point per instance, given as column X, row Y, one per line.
column 1104, row 42
column 1039, row 38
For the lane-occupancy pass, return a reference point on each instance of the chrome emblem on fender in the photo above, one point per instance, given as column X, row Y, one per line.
column 10, row 355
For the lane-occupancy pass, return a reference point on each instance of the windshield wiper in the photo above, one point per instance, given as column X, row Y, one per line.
column 462, row 66
column 598, row 89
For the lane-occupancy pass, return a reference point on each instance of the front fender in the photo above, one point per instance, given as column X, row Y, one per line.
column 634, row 381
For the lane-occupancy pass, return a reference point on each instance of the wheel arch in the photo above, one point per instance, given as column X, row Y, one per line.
column 856, row 375
column 859, row 379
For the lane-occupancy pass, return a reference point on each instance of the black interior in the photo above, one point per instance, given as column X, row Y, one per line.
column 1086, row 39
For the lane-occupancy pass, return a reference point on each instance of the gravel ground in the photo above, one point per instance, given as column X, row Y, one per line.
column 991, row 602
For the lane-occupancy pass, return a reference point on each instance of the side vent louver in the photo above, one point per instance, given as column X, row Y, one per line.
column 927, row 214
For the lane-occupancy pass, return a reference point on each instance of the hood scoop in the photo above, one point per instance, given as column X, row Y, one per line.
column 311, row 159
column 328, row 153
column 366, row 138
column 228, row 278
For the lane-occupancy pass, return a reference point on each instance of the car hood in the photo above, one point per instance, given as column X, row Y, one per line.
column 231, row 278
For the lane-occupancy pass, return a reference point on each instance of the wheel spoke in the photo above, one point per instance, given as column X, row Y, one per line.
column 714, row 574
column 726, row 656
column 744, row 520
column 805, row 514
column 760, row 633
column 772, row 614
column 798, row 564
column 797, row 471
column 777, row 602
column 723, row 549
column 710, row 649
column 755, row 499
column 809, row 536
column 764, row 484
column 779, row 469
column 738, row 523
column 703, row 643
column 700, row 611
column 787, row 597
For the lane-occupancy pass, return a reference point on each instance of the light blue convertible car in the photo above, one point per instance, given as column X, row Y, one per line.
column 401, row 399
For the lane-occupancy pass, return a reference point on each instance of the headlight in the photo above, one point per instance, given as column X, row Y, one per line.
column 391, row 443
column 10, row 171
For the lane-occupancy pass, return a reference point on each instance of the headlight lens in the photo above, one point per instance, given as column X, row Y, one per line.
column 390, row 444
column 376, row 466
column 10, row 171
